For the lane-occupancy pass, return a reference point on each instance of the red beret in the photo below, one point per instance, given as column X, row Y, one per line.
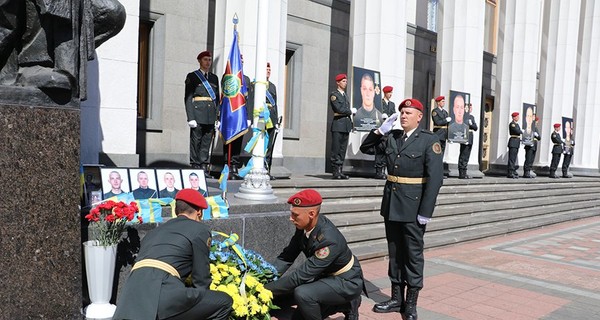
column 305, row 198
column 192, row 197
column 514, row 114
column 557, row 125
column 411, row 103
column 537, row 118
column 439, row 98
column 387, row 89
column 204, row 54
column 340, row 77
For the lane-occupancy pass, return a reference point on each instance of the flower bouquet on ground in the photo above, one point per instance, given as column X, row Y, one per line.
column 109, row 220
column 242, row 274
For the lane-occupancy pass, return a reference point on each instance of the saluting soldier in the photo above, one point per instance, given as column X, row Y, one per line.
column 341, row 125
column 202, row 98
column 514, row 142
column 441, row 119
column 330, row 280
column 465, row 148
column 557, row 150
column 169, row 254
column 415, row 175
column 530, row 151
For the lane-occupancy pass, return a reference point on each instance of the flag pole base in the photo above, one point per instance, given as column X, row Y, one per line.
column 256, row 186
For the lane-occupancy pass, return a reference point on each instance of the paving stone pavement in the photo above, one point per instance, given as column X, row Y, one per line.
column 550, row 273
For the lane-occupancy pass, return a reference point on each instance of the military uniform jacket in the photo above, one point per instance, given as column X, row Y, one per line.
column 472, row 127
column 182, row 243
column 558, row 142
column 515, row 135
column 341, row 108
column 420, row 156
column 536, row 138
column 204, row 112
column 388, row 108
column 326, row 252
column 272, row 109
column 439, row 115
column 249, row 97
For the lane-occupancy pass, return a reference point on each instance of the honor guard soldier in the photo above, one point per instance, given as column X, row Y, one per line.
column 341, row 125
column 330, row 280
column 568, row 145
column 557, row 150
column 441, row 119
column 271, row 96
column 388, row 108
column 169, row 254
column 514, row 142
column 465, row 148
column 530, row 151
column 415, row 175
column 202, row 100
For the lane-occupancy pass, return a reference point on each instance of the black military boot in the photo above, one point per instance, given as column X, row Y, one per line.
column 567, row 174
column 206, row 169
column 396, row 302
column 336, row 172
column 379, row 173
column 553, row 175
column 526, row 174
column 341, row 174
column 352, row 314
column 462, row 174
column 410, row 312
column 234, row 174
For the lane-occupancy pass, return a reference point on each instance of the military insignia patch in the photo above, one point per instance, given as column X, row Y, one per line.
column 320, row 237
column 512, row 125
column 209, row 242
column 407, row 103
column 333, row 98
column 437, row 148
column 297, row 201
column 434, row 113
column 322, row 253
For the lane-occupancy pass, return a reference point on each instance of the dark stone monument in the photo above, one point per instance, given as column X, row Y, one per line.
column 44, row 49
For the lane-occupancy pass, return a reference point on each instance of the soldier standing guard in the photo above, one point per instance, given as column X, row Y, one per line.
column 514, row 142
column 271, row 97
column 415, row 175
column 388, row 108
column 330, row 280
column 202, row 98
column 557, row 150
column 441, row 119
column 341, row 125
column 530, row 151
column 567, row 150
column 465, row 148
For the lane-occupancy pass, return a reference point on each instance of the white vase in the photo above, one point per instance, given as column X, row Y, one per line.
column 100, row 270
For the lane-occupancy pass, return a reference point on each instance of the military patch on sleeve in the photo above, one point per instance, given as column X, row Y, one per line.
column 433, row 113
column 322, row 253
column 437, row 148
column 333, row 97
column 209, row 242
column 512, row 125
column 320, row 237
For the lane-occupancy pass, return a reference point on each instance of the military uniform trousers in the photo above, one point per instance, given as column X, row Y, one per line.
column 554, row 162
column 529, row 156
column 269, row 155
column 380, row 160
column 405, row 267
column 566, row 163
column 463, row 158
column 339, row 143
column 512, row 161
column 200, row 138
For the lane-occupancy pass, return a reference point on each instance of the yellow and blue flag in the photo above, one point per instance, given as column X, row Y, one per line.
column 223, row 178
column 233, row 102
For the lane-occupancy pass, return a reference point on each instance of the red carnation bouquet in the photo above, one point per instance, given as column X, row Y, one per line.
column 109, row 220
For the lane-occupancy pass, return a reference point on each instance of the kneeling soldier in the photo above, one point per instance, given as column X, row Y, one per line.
column 330, row 280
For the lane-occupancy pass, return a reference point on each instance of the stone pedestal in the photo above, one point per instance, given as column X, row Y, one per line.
column 40, row 251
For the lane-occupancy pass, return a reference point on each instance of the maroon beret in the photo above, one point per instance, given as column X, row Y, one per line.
column 537, row 118
column 439, row 98
column 387, row 89
column 204, row 54
column 192, row 197
column 514, row 114
column 411, row 103
column 305, row 198
column 557, row 125
column 340, row 77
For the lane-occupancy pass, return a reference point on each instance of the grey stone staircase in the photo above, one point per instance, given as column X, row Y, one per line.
column 466, row 209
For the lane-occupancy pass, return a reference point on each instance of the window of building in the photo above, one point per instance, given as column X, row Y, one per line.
column 292, row 94
column 432, row 6
column 491, row 26
column 143, row 55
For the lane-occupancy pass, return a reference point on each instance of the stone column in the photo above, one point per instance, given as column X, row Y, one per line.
column 460, row 62
column 587, row 106
column 516, row 77
column 377, row 42
column 556, row 95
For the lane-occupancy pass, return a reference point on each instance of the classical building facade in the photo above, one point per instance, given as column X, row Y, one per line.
column 504, row 53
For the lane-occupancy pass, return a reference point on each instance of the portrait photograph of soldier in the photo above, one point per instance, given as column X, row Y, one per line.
column 458, row 129
column 194, row 179
column 567, row 132
column 169, row 182
column 115, row 182
column 528, row 124
column 143, row 183
column 366, row 98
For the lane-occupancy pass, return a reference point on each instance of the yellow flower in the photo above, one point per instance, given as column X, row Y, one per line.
column 234, row 271
column 254, row 308
column 264, row 309
column 216, row 277
column 221, row 266
column 241, row 311
column 265, row 295
column 251, row 282
column 213, row 268
column 213, row 286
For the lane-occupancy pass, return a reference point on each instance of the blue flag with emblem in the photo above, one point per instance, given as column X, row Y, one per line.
column 233, row 103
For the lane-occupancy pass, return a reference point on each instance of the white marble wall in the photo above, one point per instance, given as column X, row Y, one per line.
column 460, row 59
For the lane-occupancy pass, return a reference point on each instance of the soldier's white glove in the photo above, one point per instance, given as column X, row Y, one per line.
column 249, row 122
column 217, row 125
column 387, row 125
column 470, row 122
column 384, row 116
column 448, row 119
column 192, row 124
column 536, row 134
column 423, row 220
column 572, row 143
column 353, row 110
column 277, row 126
